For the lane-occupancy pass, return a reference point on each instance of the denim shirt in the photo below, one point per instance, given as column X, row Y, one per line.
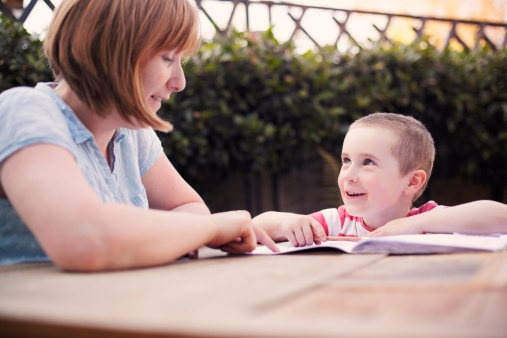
column 38, row 115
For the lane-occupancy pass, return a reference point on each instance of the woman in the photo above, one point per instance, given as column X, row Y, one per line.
column 79, row 160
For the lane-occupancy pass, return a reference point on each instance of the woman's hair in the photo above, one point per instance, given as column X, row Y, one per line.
column 414, row 147
column 97, row 47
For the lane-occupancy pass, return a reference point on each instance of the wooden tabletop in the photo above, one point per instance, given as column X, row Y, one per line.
column 308, row 294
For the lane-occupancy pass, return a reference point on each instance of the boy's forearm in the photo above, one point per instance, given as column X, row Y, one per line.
column 478, row 217
column 271, row 223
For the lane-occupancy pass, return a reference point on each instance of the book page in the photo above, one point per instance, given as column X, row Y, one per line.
column 286, row 247
column 403, row 244
column 431, row 243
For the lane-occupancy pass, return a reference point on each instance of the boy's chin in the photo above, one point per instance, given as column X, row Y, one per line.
column 353, row 210
column 358, row 210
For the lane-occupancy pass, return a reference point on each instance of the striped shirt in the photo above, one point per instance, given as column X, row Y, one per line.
column 337, row 222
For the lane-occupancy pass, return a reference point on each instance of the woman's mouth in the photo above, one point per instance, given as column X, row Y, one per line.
column 156, row 98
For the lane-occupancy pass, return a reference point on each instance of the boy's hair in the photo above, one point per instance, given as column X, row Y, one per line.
column 414, row 147
column 97, row 47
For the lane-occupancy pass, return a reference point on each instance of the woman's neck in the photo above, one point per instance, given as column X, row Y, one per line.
column 102, row 128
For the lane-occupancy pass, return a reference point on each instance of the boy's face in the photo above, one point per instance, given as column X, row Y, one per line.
column 370, row 181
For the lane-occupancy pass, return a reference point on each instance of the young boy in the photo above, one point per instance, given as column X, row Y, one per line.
column 386, row 163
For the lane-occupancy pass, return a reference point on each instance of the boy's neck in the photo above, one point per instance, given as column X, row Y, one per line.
column 376, row 221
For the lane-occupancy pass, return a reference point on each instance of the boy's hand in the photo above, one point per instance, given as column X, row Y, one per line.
column 302, row 230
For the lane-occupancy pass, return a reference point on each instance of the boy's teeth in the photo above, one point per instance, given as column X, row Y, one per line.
column 354, row 194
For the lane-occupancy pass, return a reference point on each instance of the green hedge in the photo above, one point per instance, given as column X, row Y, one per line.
column 21, row 57
column 252, row 103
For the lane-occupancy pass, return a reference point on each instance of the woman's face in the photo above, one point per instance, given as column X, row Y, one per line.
column 161, row 75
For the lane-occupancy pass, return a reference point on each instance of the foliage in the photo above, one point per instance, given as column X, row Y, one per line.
column 246, row 106
column 252, row 103
column 21, row 59
column 460, row 96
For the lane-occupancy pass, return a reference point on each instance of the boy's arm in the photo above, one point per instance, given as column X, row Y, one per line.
column 299, row 230
column 478, row 217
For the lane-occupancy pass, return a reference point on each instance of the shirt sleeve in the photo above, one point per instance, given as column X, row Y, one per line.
column 428, row 206
column 319, row 217
column 149, row 149
column 28, row 117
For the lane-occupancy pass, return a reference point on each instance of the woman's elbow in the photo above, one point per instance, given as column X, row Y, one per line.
column 82, row 251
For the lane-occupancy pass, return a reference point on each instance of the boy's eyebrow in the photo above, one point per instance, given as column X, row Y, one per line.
column 369, row 155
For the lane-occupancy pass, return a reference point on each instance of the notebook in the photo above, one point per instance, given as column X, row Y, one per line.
column 403, row 244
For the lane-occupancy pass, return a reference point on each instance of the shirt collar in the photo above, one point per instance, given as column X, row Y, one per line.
column 77, row 129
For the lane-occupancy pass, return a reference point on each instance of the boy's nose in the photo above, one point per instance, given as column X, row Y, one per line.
column 352, row 179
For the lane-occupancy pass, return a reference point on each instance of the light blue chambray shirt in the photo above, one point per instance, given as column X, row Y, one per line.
column 38, row 115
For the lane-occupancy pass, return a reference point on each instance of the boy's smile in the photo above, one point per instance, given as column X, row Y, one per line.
column 370, row 181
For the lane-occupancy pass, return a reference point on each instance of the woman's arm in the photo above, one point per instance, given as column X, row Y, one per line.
column 478, row 217
column 167, row 190
column 80, row 232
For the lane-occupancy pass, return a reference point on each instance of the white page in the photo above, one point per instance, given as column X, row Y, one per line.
column 286, row 247
column 404, row 244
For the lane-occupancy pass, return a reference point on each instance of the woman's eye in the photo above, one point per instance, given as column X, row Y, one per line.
column 166, row 59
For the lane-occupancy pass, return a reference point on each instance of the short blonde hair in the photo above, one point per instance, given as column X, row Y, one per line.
column 414, row 147
column 97, row 47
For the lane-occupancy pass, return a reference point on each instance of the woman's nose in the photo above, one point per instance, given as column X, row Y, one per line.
column 177, row 82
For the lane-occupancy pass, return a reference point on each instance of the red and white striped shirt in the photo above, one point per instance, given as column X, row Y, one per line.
column 337, row 222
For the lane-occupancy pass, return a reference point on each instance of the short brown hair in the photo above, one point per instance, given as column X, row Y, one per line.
column 97, row 46
column 414, row 147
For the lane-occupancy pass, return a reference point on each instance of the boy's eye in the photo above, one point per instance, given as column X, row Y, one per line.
column 368, row 162
column 345, row 160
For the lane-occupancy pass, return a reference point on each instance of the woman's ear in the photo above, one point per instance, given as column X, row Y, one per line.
column 416, row 181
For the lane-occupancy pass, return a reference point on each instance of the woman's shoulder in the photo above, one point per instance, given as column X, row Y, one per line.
column 28, row 103
column 29, row 116
column 22, row 95
column 142, row 139
column 144, row 143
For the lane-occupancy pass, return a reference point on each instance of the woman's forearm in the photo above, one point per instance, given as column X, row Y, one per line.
column 121, row 236
column 193, row 208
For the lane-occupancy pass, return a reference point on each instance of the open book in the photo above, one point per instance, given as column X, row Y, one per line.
column 404, row 244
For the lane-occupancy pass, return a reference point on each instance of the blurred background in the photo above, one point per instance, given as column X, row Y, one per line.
column 272, row 90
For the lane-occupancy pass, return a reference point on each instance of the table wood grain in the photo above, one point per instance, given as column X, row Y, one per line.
column 308, row 294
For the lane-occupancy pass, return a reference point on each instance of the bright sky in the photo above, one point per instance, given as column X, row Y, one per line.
column 321, row 26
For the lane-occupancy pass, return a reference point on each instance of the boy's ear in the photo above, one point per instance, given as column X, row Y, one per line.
column 416, row 181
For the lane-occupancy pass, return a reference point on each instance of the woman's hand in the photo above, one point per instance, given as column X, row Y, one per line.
column 234, row 232
column 264, row 238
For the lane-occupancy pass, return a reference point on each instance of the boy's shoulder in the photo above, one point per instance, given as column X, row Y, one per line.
column 428, row 206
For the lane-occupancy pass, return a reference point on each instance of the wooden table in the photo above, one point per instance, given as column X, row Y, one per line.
column 307, row 294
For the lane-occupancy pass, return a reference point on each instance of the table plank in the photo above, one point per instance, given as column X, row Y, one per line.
column 213, row 296
column 462, row 295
